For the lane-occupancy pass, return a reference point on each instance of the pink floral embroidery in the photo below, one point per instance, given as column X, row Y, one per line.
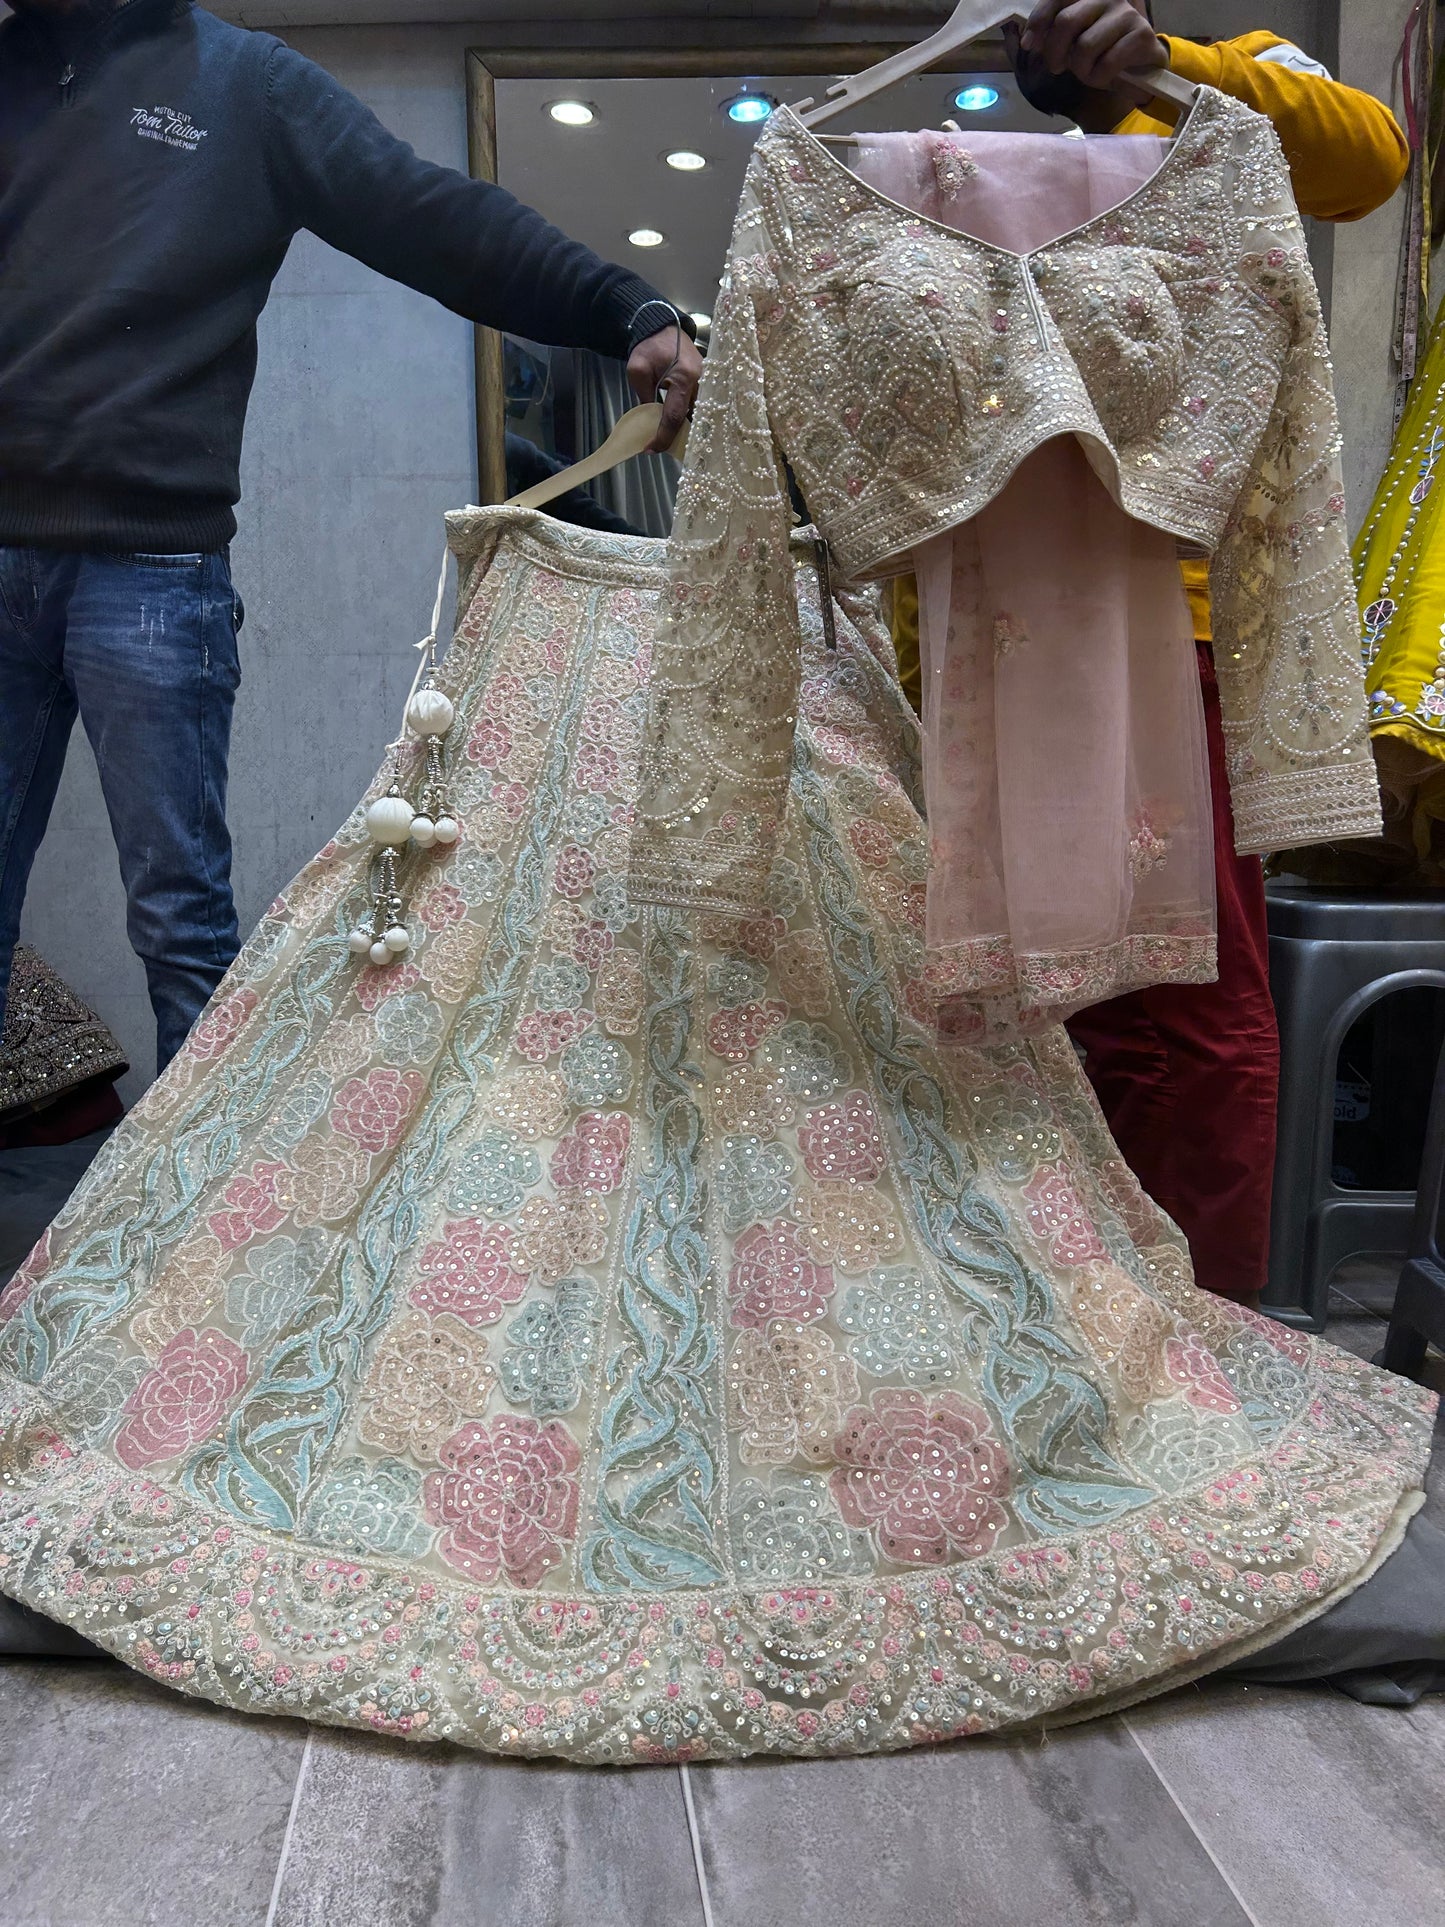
column 470, row 1271
column 575, row 870
column 1190, row 1363
column 385, row 980
column 1057, row 1218
column 182, row 1398
column 1008, row 633
column 508, row 697
column 507, row 1499
column 439, row 906
column 772, row 1276
column 490, row 742
column 253, row 1206
column 543, row 1033
column 736, row 1034
column 842, row 1141
column 217, row 1030
column 606, row 721
column 597, row 768
column 924, row 1474
column 872, row 843
column 593, row 1155
column 759, row 936
column 1148, row 845
column 953, row 168
column 511, row 799
column 372, row 1111
column 592, row 945
column 837, row 746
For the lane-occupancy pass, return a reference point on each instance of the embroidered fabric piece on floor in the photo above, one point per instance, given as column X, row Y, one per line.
column 621, row 1333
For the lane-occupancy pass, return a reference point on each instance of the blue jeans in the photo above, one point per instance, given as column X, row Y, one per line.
column 143, row 649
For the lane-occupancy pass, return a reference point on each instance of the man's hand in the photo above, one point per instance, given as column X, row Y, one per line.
column 666, row 360
column 1097, row 41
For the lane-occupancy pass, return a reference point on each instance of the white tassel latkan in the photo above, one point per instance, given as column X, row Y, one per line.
column 391, row 821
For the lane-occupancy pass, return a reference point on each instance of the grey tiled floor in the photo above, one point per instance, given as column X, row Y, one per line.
column 123, row 1805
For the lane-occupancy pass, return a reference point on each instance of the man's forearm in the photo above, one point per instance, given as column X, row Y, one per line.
column 469, row 245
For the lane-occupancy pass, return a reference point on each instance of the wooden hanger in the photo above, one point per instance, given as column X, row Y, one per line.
column 630, row 436
column 969, row 19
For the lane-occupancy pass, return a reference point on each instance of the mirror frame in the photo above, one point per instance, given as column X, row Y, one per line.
column 485, row 66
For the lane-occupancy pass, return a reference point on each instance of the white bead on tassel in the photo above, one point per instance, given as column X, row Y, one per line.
column 386, row 937
column 391, row 821
column 388, row 821
column 429, row 713
column 433, row 822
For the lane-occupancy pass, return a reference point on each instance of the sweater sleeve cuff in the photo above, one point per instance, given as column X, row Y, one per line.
column 630, row 310
column 1191, row 61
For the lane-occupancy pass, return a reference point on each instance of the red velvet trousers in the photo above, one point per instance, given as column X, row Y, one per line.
column 1188, row 1074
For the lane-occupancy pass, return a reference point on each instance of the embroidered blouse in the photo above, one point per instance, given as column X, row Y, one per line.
column 904, row 369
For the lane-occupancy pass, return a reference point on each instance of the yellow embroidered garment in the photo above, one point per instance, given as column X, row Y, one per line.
column 1178, row 337
column 1400, row 559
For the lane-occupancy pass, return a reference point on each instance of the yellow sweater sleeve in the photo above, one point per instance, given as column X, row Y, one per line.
column 1345, row 150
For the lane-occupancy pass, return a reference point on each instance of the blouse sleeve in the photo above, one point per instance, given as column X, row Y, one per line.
column 718, row 741
column 1286, row 632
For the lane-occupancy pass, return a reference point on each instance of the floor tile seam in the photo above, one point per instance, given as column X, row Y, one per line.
column 297, row 1794
column 1188, row 1819
column 696, row 1838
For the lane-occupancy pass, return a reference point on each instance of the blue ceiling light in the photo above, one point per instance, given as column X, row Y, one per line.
column 976, row 100
column 749, row 109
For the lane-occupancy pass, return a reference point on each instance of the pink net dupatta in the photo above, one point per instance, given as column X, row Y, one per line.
column 1064, row 756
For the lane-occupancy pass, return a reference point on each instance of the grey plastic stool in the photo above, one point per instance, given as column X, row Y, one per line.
column 1332, row 954
column 1418, row 1316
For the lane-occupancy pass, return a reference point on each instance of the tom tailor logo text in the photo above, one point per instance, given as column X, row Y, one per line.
column 169, row 125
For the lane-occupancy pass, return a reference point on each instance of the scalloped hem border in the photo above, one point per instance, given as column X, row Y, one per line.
column 499, row 1720
column 1389, row 1543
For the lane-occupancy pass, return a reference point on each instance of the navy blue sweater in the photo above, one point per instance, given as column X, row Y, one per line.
column 154, row 166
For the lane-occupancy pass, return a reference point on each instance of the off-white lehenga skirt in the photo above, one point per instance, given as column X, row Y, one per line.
column 626, row 1334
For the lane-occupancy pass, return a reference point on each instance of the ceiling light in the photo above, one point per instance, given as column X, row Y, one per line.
column 646, row 237
column 749, row 108
column 702, row 322
column 572, row 113
column 685, row 161
column 975, row 100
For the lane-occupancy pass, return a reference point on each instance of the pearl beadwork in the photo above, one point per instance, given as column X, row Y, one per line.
column 447, row 829
column 397, row 939
column 423, row 831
